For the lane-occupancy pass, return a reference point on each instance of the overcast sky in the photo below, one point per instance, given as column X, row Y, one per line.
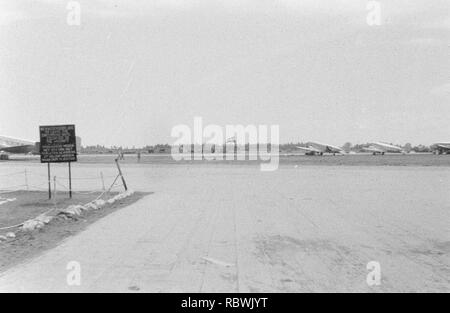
column 134, row 69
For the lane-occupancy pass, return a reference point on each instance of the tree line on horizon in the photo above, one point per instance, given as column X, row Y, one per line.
column 286, row 147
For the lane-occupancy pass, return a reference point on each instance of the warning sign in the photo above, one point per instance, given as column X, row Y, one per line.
column 58, row 144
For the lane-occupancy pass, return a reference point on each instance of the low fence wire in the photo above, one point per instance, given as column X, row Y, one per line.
column 58, row 186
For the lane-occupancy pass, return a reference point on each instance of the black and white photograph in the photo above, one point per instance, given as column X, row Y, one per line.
column 224, row 152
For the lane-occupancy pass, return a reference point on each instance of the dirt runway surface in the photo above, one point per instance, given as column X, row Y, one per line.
column 221, row 228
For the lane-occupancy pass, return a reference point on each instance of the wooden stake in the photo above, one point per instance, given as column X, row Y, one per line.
column 121, row 176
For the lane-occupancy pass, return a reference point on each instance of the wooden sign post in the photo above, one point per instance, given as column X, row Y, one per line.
column 49, row 183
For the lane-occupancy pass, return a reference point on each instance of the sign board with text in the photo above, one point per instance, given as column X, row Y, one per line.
column 58, row 144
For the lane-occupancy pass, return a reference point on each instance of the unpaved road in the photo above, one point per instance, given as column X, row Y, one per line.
column 234, row 228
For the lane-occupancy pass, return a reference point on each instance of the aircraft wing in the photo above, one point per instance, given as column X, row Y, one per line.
column 444, row 146
column 386, row 147
column 334, row 149
column 373, row 149
column 18, row 149
column 308, row 149
column 323, row 147
column 12, row 145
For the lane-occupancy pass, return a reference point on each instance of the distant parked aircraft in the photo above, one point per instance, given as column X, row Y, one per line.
column 441, row 148
column 382, row 148
column 318, row 148
column 17, row 146
column 9, row 145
